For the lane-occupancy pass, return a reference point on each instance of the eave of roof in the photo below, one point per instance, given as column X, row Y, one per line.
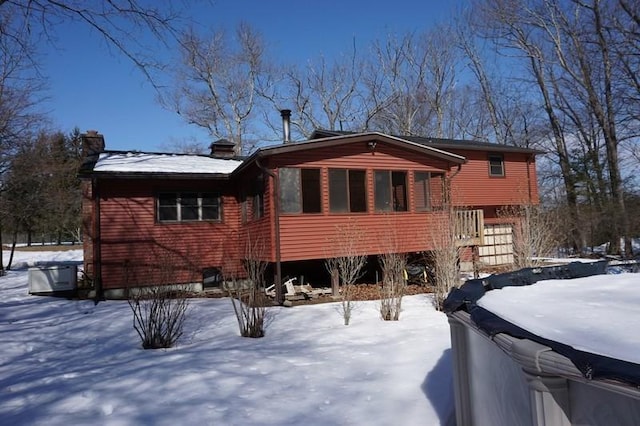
column 155, row 175
column 327, row 142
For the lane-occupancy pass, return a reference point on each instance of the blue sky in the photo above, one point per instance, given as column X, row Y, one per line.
column 93, row 87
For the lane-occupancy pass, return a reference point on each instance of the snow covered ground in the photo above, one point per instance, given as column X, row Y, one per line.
column 68, row 362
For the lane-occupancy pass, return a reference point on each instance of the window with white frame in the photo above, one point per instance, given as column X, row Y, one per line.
column 188, row 206
column 496, row 165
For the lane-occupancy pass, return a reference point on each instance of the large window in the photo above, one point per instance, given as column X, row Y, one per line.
column 496, row 165
column 390, row 191
column 300, row 190
column 347, row 191
column 188, row 206
column 421, row 191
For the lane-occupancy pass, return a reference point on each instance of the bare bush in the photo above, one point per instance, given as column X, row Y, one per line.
column 159, row 314
column 347, row 264
column 534, row 234
column 248, row 295
column 393, row 265
column 159, row 310
column 394, row 285
column 445, row 257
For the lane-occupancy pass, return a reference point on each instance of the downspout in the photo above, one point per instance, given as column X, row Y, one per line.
column 276, row 214
column 97, row 244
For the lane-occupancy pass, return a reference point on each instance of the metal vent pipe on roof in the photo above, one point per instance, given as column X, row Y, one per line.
column 286, row 125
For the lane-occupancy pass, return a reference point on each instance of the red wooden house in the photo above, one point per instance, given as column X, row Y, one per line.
column 147, row 215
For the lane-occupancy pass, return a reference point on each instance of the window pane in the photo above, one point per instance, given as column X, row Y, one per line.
column 496, row 165
column 258, row 206
column 421, row 190
column 382, row 191
column 167, row 213
column 210, row 207
column 338, row 196
column 167, row 207
column 189, row 207
column 399, row 183
column 311, row 191
column 258, row 198
column 357, row 191
column 210, row 213
column 290, row 190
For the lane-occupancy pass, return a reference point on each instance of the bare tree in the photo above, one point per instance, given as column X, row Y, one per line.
column 572, row 50
column 346, row 263
column 535, row 234
column 393, row 284
column 217, row 83
column 125, row 25
column 248, row 295
column 393, row 265
column 445, row 255
column 323, row 95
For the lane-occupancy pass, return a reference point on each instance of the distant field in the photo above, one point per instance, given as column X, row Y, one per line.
column 46, row 247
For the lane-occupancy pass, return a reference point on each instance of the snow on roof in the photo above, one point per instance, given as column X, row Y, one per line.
column 140, row 162
column 596, row 314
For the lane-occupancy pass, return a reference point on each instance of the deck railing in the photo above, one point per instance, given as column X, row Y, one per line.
column 469, row 227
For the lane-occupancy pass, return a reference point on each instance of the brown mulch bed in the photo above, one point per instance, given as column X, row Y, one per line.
column 363, row 292
column 372, row 291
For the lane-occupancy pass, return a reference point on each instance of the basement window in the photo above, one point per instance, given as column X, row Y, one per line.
column 347, row 191
column 390, row 191
column 496, row 165
column 300, row 190
column 188, row 206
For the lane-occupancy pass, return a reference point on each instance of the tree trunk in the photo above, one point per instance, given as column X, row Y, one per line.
column 13, row 249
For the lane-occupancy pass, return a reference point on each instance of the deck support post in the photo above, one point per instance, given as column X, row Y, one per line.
column 335, row 283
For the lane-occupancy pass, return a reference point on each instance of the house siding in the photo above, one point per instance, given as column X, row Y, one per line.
column 474, row 187
column 137, row 250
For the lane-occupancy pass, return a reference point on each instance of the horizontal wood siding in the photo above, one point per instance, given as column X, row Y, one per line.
column 137, row 250
column 474, row 187
column 319, row 236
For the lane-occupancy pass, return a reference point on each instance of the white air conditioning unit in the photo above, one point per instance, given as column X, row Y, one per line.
column 51, row 279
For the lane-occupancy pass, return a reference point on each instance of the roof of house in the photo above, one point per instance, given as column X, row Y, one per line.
column 440, row 143
column 132, row 163
column 137, row 164
column 338, row 140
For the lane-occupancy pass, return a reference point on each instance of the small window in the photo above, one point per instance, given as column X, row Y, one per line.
column 188, row 207
column 390, row 191
column 421, row 191
column 300, row 190
column 347, row 191
column 496, row 165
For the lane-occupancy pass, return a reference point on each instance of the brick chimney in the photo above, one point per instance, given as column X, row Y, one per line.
column 92, row 143
column 223, row 148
